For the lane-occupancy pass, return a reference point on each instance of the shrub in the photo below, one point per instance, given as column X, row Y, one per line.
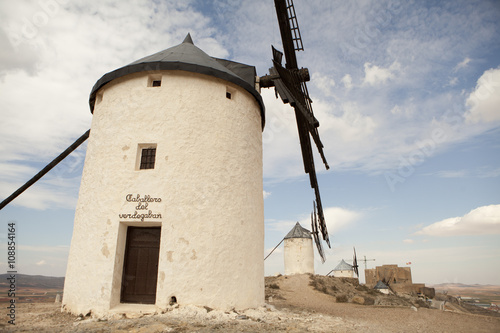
column 369, row 301
column 341, row 298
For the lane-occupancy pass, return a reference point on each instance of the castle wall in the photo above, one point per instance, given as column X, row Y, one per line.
column 388, row 273
column 399, row 279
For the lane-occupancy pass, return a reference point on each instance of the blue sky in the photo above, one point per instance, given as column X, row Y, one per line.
column 407, row 95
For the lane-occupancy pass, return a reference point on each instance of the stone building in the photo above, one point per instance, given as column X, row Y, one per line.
column 398, row 279
column 298, row 251
column 170, row 207
column 389, row 274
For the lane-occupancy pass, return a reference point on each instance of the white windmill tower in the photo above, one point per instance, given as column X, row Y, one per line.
column 298, row 251
column 170, row 205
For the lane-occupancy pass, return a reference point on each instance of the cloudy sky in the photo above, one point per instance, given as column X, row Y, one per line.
column 407, row 95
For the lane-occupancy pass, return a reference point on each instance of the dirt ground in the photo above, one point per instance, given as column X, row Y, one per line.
column 293, row 305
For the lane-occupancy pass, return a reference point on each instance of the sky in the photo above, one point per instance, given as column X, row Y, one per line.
column 407, row 94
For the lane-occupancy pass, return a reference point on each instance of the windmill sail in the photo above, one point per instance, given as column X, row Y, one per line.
column 355, row 263
column 315, row 233
column 289, row 82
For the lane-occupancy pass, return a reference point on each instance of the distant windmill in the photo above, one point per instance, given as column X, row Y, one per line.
column 355, row 265
column 343, row 266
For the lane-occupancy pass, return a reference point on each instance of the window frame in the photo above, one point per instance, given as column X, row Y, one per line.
column 142, row 147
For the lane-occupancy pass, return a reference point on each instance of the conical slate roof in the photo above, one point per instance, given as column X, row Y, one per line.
column 343, row 266
column 187, row 57
column 298, row 232
column 380, row 285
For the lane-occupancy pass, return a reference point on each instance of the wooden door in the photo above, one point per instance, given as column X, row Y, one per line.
column 140, row 267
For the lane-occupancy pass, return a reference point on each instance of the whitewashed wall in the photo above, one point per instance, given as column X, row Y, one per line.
column 208, row 175
column 347, row 273
column 299, row 256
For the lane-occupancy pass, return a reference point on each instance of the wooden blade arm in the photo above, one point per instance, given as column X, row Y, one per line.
column 286, row 17
column 47, row 168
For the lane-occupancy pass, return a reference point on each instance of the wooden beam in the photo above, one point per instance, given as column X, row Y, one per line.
column 47, row 168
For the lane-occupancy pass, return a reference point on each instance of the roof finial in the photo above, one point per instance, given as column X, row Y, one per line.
column 188, row 39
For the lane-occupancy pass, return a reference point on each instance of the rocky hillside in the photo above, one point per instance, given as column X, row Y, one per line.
column 342, row 290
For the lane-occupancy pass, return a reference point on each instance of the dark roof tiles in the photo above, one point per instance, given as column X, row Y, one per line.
column 298, row 232
column 186, row 56
column 343, row 266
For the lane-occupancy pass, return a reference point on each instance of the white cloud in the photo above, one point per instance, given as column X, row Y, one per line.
column 347, row 81
column 336, row 218
column 488, row 172
column 375, row 74
column 41, row 263
column 482, row 172
column 396, row 110
column 324, row 83
column 346, row 132
column 408, row 241
column 451, row 173
column 281, row 148
column 483, row 220
column 352, row 126
column 266, row 194
column 484, row 101
column 462, row 64
column 283, row 226
column 406, row 111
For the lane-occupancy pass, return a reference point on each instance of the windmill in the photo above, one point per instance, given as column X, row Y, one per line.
column 290, row 83
column 124, row 176
column 344, row 265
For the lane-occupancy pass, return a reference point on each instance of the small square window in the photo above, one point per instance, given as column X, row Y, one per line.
column 230, row 92
column 154, row 80
column 148, row 156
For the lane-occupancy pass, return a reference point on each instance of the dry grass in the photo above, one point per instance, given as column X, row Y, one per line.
column 341, row 298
